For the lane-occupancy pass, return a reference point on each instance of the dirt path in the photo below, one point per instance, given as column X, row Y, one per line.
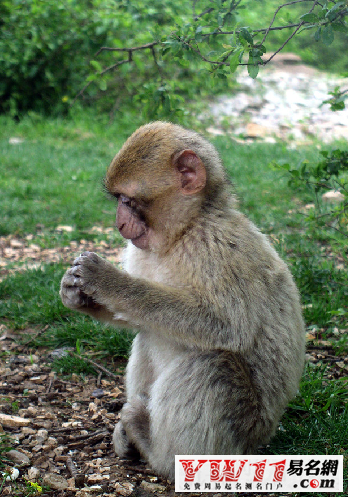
column 285, row 102
column 63, row 429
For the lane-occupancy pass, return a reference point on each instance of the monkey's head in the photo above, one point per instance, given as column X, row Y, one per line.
column 161, row 177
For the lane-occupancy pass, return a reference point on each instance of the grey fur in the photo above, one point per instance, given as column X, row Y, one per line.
column 220, row 345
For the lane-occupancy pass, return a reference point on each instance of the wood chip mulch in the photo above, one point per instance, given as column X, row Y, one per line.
column 61, row 429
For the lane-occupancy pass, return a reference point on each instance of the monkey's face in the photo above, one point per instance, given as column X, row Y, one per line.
column 131, row 223
column 159, row 185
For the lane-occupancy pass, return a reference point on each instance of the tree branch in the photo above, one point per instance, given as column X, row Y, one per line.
column 194, row 46
column 276, row 12
column 131, row 49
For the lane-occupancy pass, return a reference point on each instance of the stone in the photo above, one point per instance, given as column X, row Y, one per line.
column 333, row 196
column 60, row 353
column 28, row 431
column 254, row 130
column 41, row 436
column 18, row 457
column 13, row 421
column 124, row 488
column 55, row 482
column 152, row 487
column 16, row 244
column 15, row 140
column 13, row 474
column 98, row 393
column 97, row 479
column 68, row 229
column 33, row 473
column 215, row 131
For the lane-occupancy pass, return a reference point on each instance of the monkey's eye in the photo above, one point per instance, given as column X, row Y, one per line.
column 127, row 201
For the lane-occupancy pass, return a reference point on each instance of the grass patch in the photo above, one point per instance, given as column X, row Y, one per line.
column 69, row 363
column 32, row 297
column 4, row 446
column 316, row 422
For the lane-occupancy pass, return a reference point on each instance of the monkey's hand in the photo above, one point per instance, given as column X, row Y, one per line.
column 85, row 283
column 90, row 286
column 82, row 283
column 72, row 294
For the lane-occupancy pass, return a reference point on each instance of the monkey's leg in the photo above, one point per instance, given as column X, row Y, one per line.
column 133, row 429
column 204, row 403
column 122, row 445
column 135, row 420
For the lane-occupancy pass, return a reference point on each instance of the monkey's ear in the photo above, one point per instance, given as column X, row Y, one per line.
column 190, row 167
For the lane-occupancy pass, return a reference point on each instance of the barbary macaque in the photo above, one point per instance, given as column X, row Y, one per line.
column 219, row 345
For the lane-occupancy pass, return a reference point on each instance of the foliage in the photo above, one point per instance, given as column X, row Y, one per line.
column 337, row 99
column 5, row 446
column 154, row 56
column 216, row 38
column 45, row 47
column 327, row 174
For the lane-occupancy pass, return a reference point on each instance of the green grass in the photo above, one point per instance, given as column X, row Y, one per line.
column 316, row 422
column 55, row 177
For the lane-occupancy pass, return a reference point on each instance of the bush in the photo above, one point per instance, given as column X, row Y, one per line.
column 44, row 50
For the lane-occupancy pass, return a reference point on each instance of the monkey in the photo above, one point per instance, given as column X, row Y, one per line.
column 218, row 351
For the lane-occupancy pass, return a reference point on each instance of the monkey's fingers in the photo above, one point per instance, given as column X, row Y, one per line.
column 73, row 277
column 71, row 295
column 91, row 256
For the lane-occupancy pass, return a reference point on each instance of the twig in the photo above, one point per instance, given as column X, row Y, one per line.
column 92, row 440
column 70, row 465
column 285, row 42
column 156, row 63
column 98, row 367
column 131, row 49
column 207, row 11
column 99, row 378
column 37, row 335
column 110, row 68
column 94, row 434
column 49, row 386
column 275, row 15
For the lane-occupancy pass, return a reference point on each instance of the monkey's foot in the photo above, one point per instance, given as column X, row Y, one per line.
column 122, row 445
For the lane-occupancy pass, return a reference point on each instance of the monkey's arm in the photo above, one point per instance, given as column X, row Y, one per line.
column 74, row 298
column 179, row 313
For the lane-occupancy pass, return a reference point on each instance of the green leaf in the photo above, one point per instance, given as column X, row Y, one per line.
column 198, row 34
column 256, row 52
column 244, row 33
column 309, row 18
column 328, row 35
column 338, row 106
column 96, row 65
column 102, row 85
column 332, row 13
column 234, row 61
column 322, row 13
column 341, row 27
column 92, row 77
column 253, row 70
column 229, row 19
column 317, row 34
